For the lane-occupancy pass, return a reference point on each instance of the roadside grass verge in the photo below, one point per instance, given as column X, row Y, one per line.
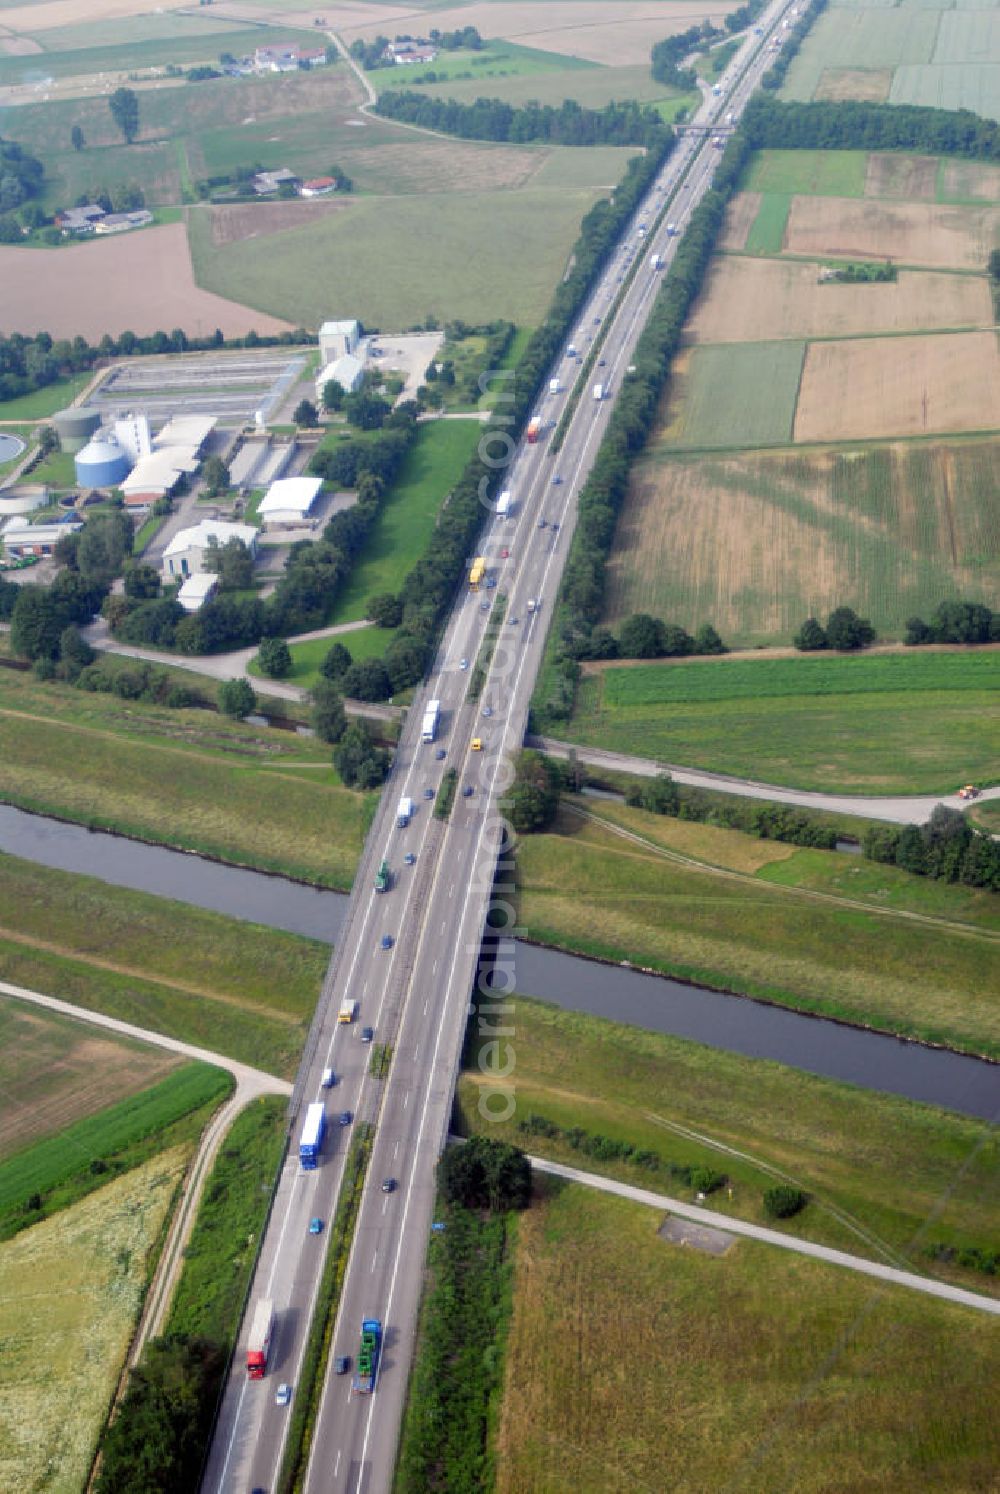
column 481, row 668
column 364, row 643
column 49, row 1176
column 72, row 1290
column 316, row 1357
column 917, row 726
column 632, row 1361
column 54, row 1071
column 187, row 779
column 219, row 1256
column 445, row 797
column 907, row 1176
column 588, row 891
column 407, row 514
column 455, row 1386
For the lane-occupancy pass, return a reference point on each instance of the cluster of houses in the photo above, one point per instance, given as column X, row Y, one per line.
column 92, row 218
column 267, row 183
column 406, row 53
column 282, row 57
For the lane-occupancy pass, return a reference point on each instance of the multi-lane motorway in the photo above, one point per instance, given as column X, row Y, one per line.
column 416, row 992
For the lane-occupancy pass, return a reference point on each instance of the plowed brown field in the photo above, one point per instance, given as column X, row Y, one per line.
column 913, row 233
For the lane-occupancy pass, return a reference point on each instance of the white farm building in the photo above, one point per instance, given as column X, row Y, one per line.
column 288, row 502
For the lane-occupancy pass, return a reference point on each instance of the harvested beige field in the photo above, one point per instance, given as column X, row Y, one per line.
column 865, row 85
column 758, row 300
column 253, row 220
column 913, row 178
column 49, row 14
column 971, row 181
column 913, row 233
column 142, row 281
column 912, row 386
column 73, row 1287
column 575, row 28
column 740, row 215
column 19, row 46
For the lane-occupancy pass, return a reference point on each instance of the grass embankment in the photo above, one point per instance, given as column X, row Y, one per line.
column 887, row 1178
column 633, row 1363
column 217, row 982
column 72, row 1290
column 445, row 797
column 907, row 723
column 52, row 1174
column 220, row 1254
column 451, row 1410
column 188, row 779
column 54, row 1071
column 312, row 1374
column 362, row 643
column 586, row 889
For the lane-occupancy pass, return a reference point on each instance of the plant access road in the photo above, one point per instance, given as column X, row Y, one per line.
column 409, row 956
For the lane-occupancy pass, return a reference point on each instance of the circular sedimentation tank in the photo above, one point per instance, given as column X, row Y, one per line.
column 10, row 447
column 75, row 427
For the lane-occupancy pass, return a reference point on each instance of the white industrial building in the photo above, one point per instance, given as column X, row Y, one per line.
column 338, row 338
column 21, row 538
column 347, row 370
column 162, row 460
column 186, row 552
column 287, row 502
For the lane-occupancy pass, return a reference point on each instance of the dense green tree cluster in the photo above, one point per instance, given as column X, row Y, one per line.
column 360, row 763
column 947, row 848
column 485, row 1174
column 533, row 798
column 628, row 123
column 644, row 637
column 770, row 124
column 955, row 622
column 157, row 1439
column 845, row 631
column 767, row 821
column 21, row 177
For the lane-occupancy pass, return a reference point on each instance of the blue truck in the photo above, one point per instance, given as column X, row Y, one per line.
column 366, row 1369
column 313, row 1131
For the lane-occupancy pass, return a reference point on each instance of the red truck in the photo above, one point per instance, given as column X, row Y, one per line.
column 259, row 1341
column 534, row 429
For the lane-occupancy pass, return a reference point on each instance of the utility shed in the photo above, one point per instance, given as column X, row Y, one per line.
column 287, row 502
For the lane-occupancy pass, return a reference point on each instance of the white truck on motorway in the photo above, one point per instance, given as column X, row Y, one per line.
column 404, row 813
column 656, row 261
column 554, row 386
column 348, row 1010
column 503, row 504
column 432, row 716
column 571, row 350
column 598, row 391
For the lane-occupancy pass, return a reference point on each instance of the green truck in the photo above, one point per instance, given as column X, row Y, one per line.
column 383, row 878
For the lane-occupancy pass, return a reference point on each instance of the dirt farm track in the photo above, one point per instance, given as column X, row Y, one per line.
column 140, row 281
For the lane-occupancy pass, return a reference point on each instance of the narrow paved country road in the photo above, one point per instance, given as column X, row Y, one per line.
column 250, row 1085
column 901, row 809
column 730, row 1226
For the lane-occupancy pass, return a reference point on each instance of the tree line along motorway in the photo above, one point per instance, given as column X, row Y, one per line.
column 409, row 956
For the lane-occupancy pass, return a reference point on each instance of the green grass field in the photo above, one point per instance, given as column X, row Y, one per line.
column 42, row 403
column 861, row 40
column 84, row 1274
column 921, row 739
column 220, row 1253
column 60, row 1169
column 54, row 1071
column 887, row 1178
column 974, row 85
column 588, row 890
column 737, row 395
column 592, row 87
column 476, row 256
column 408, row 514
column 485, row 71
column 366, row 643
column 56, row 471
column 188, row 779
column 812, row 173
column 632, row 1362
column 767, row 231
column 758, row 541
